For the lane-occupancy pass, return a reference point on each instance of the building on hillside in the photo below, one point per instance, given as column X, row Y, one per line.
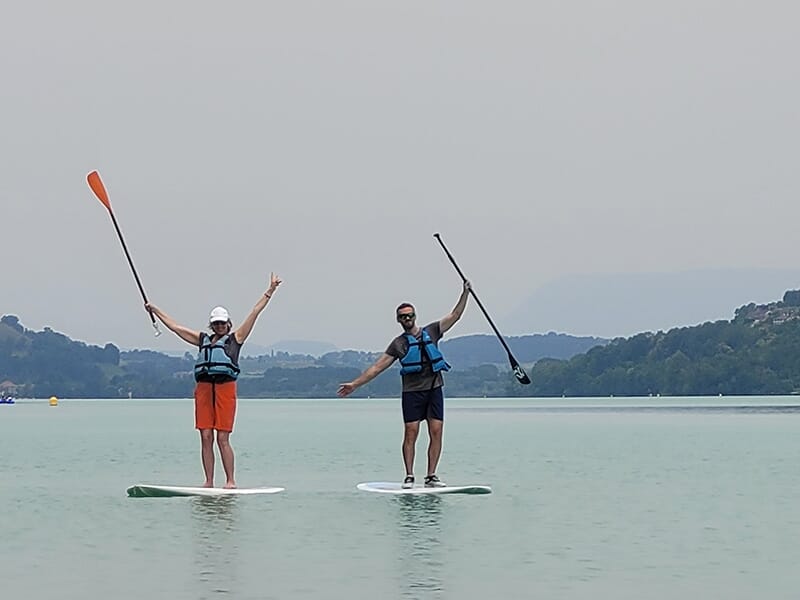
column 8, row 388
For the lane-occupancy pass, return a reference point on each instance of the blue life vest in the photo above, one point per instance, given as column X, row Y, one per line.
column 412, row 361
column 213, row 364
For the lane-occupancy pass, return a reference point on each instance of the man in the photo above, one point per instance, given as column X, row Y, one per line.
column 422, row 368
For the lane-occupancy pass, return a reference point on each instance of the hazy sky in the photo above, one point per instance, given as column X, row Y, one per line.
column 327, row 141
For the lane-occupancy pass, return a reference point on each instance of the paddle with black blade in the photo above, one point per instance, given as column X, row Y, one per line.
column 519, row 372
column 96, row 185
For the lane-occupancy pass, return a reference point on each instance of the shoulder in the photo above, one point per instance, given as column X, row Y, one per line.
column 434, row 330
column 398, row 346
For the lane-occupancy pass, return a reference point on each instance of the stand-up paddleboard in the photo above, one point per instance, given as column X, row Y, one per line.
column 143, row 490
column 387, row 487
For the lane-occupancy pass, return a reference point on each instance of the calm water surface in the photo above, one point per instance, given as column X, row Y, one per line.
column 617, row 498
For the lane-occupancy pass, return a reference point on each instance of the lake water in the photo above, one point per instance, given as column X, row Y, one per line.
column 617, row 498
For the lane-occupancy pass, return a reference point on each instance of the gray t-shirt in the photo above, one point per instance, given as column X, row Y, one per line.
column 426, row 379
column 231, row 347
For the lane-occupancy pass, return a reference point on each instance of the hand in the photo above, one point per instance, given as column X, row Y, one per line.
column 467, row 286
column 151, row 308
column 345, row 389
column 274, row 282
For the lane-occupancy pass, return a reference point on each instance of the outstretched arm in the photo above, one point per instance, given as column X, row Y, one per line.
column 447, row 321
column 379, row 366
column 186, row 334
column 247, row 325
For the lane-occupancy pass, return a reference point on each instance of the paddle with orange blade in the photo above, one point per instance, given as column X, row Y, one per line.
column 96, row 185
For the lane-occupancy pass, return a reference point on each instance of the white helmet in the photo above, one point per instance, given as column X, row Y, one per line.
column 219, row 314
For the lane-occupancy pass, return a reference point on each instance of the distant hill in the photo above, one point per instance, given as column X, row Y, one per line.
column 310, row 347
column 756, row 352
column 41, row 364
column 474, row 350
column 463, row 352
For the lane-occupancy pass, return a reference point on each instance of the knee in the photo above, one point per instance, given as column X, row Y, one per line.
column 207, row 437
column 411, row 432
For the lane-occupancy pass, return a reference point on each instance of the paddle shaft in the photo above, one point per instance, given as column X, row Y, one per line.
column 518, row 371
column 133, row 269
column 130, row 260
column 471, row 291
column 99, row 190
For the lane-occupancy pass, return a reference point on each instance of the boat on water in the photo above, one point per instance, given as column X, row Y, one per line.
column 7, row 400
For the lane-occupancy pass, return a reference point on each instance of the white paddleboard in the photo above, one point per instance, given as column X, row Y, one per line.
column 143, row 490
column 388, row 487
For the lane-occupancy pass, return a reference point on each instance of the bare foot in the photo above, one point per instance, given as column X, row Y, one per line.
column 230, row 485
column 208, row 484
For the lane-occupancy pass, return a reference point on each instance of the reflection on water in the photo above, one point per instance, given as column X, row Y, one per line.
column 420, row 539
column 216, row 549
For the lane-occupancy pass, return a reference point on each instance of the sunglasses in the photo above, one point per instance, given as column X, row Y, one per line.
column 218, row 323
column 406, row 317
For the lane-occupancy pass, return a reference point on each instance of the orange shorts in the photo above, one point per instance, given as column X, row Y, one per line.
column 215, row 405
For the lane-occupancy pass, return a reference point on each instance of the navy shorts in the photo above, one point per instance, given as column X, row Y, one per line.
column 427, row 404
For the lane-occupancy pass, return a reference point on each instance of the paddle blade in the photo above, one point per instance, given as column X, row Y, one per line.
column 519, row 372
column 96, row 184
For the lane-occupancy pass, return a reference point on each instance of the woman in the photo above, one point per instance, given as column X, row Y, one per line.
column 215, row 372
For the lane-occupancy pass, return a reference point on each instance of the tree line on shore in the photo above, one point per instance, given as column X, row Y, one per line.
column 756, row 352
column 38, row 364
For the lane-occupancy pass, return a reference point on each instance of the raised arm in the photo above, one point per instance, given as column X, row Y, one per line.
column 379, row 366
column 186, row 334
column 447, row 321
column 247, row 325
